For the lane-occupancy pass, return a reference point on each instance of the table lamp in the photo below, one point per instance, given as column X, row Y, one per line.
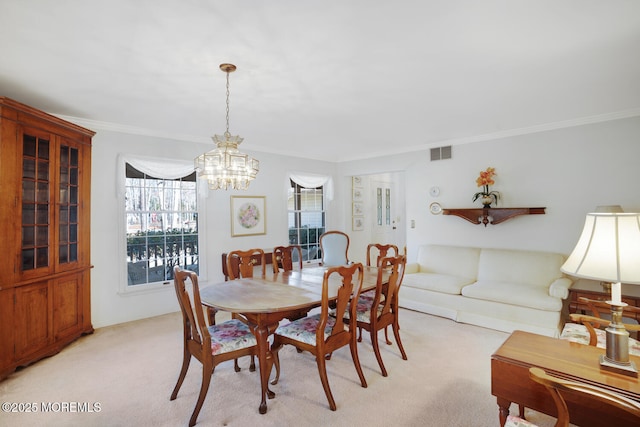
column 609, row 250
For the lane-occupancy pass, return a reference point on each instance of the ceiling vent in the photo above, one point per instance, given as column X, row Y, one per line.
column 441, row 153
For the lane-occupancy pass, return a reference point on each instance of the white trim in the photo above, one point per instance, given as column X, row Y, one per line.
column 394, row 149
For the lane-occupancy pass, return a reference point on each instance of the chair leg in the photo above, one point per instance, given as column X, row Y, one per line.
column 386, row 335
column 353, row 345
column 322, row 370
column 396, row 333
column 252, row 366
column 359, row 334
column 183, row 372
column 376, row 350
column 275, row 353
column 206, row 380
column 236, row 366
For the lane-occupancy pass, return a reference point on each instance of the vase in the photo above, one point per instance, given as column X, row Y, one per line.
column 486, row 201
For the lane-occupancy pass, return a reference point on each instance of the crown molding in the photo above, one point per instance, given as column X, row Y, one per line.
column 115, row 127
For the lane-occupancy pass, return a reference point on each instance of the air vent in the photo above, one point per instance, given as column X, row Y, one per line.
column 441, row 153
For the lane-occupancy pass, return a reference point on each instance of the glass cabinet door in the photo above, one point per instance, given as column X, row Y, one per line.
column 35, row 202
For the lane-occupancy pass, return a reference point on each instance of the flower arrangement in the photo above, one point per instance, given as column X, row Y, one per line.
column 485, row 180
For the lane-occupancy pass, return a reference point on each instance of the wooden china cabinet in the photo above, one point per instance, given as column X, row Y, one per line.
column 45, row 185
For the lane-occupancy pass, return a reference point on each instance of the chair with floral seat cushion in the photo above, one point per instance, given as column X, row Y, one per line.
column 334, row 246
column 322, row 334
column 211, row 345
column 587, row 329
column 382, row 312
column 284, row 257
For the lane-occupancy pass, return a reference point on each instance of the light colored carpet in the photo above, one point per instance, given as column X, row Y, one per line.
column 129, row 370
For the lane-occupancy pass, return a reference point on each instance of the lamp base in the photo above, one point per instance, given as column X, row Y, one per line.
column 624, row 368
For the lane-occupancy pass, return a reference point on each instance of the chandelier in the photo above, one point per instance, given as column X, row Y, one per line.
column 226, row 167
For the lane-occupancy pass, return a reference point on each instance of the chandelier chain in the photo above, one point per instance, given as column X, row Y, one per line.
column 227, row 134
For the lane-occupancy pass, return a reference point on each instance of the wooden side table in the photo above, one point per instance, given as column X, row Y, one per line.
column 594, row 290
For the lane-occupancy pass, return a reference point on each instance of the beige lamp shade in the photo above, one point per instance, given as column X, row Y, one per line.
column 608, row 249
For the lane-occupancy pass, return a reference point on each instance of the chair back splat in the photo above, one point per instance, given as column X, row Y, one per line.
column 284, row 257
column 334, row 246
column 321, row 334
column 242, row 263
column 382, row 252
column 210, row 345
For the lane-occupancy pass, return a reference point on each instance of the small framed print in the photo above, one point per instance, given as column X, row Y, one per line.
column 358, row 209
column 248, row 215
column 357, row 195
column 358, row 223
column 356, row 181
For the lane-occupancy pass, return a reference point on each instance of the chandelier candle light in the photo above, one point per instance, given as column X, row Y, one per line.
column 485, row 180
column 226, row 167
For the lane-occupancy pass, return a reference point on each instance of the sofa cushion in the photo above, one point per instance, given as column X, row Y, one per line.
column 449, row 260
column 436, row 282
column 522, row 267
column 513, row 293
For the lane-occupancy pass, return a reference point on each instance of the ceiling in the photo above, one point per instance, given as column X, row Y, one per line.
column 327, row 80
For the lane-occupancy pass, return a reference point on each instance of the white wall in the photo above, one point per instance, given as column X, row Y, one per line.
column 569, row 171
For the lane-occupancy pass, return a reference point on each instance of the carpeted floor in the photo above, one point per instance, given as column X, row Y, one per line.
column 125, row 374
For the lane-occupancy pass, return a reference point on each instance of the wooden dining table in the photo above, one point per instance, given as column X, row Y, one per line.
column 266, row 300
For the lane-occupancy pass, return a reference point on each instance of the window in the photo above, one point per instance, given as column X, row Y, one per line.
column 306, row 219
column 161, row 226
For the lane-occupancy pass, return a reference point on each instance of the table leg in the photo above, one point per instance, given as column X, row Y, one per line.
column 503, row 408
column 262, row 335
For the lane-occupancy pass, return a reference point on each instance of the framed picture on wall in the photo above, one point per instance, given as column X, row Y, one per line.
column 357, row 195
column 358, row 223
column 356, row 181
column 248, row 215
column 358, row 209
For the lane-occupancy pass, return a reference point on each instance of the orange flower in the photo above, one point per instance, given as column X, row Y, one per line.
column 485, row 180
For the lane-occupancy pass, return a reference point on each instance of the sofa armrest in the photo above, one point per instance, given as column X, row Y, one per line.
column 412, row 267
column 560, row 288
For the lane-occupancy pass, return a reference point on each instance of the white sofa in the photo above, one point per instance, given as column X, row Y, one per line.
column 501, row 289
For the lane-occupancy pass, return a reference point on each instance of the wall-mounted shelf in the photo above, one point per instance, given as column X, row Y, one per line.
column 491, row 215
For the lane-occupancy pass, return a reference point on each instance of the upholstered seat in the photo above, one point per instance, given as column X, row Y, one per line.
column 579, row 333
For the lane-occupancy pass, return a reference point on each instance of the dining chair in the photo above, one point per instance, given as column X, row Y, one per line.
column 334, row 246
column 557, row 385
column 321, row 334
column 211, row 345
column 382, row 311
column 589, row 329
column 381, row 251
column 283, row 257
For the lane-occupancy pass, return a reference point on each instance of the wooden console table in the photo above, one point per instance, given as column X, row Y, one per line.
column 510, row 381
column 491, row 215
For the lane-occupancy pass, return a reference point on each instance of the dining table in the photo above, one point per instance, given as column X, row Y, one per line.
column 266, row 300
